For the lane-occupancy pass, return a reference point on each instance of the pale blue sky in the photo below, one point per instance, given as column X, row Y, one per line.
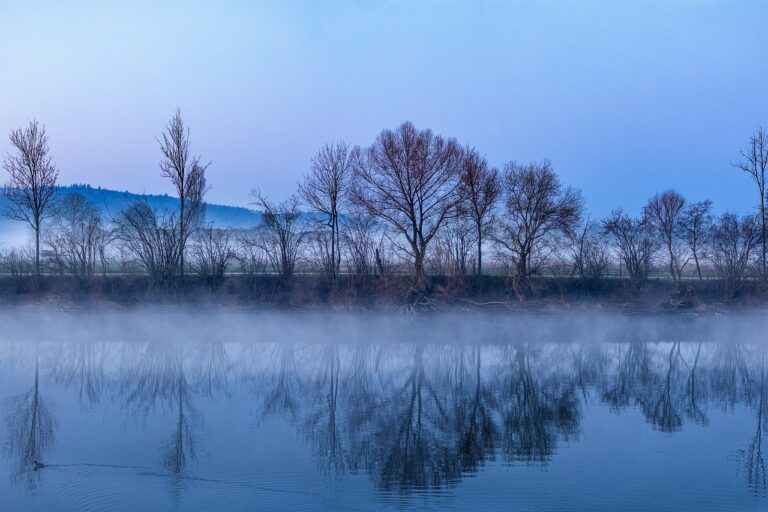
column 625, row 98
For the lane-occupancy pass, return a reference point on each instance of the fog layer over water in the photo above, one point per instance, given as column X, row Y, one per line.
column 143, row 410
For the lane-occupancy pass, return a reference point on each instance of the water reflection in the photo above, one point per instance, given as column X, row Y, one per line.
column 30, row 430
column 410, row 416
column 754, row 462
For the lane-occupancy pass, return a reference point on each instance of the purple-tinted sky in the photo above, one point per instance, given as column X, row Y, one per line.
column 625, row 98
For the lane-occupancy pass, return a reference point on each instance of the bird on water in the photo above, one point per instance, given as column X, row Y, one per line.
column 37, row 465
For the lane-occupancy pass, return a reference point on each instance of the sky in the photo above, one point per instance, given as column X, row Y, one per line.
column 625, row 98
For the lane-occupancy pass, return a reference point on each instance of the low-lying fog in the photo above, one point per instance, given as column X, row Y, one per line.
column 177, row 324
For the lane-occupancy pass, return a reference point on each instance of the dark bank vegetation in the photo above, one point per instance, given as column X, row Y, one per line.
column 414, row 218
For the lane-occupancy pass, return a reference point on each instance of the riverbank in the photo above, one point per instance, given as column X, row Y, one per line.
column 388, row 292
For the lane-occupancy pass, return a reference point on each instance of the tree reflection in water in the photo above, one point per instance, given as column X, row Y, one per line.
column 165, row 380
column 537, row 406
column 474, row 413
column 30, row 430
column 321, row 420
column 753, row 458
column 411, row 416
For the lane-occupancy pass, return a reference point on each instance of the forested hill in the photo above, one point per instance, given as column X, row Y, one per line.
column 112, row 202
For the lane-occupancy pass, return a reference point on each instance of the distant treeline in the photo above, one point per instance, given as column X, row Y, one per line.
column 412, row 204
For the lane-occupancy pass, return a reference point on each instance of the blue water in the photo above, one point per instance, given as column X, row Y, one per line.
column 169, row 410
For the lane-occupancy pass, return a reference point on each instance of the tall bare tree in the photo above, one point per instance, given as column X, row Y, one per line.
column 536, row 208
column 32, row 176
column 282, row 235
column 409, row 179
column 188, row 177
column 754, row 161
column 480, row 189
column 697, row 230
column 325, row 189
column 664, row 212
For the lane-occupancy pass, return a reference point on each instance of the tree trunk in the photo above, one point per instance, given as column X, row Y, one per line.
column 37, row 252
column 672, row 270
column 338, row 246
column 696, row 261
column 421, row 283
column 479, row 253
column 335, row 248
column 762, row 227
column 182, row 228
column 522, row 267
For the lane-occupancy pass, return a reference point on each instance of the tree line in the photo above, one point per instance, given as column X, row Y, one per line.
column 412, row 202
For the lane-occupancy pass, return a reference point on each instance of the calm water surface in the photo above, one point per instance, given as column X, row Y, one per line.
column 233, row 411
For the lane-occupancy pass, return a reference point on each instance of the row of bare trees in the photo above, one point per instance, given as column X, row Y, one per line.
column 429, row 196
column 77, row 237
column 412, row 199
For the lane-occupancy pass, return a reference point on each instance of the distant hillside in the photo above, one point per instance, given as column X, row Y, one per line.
column 112, row 202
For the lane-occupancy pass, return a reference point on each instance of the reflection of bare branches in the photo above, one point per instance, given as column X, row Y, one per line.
column 532, row 417
column 161, row 382
column 663, row 413
column 30, row 428
column 754, row 460
column 478, row 430
column 181, row 442
column 692, row 407
column 322, row 426
column 633, row 373
column 281, row 399
column 410, row 416
column 211, row 369
column 730, row 379
column 81, row 366
column 590, row 361
column 411, row 449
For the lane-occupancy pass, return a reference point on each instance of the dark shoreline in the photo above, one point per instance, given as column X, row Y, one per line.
column 313, row 292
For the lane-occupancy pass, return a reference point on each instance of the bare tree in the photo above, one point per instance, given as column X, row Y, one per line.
column 453, row 246
column 78, row 238
column 17, row 262
column 696, row 225
column 409, row 179
column 188, row 177
column 325, row 189
column 734, row 244
column 32, row 179
column 754, row 161
column 635, row 243
column 364, row 245
column 664, row 213
column 152, row 239
column 249, row 253
column 537, row 208
column 480, row 189
column 212, row 252
column 281, row 233
column 590, row 255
